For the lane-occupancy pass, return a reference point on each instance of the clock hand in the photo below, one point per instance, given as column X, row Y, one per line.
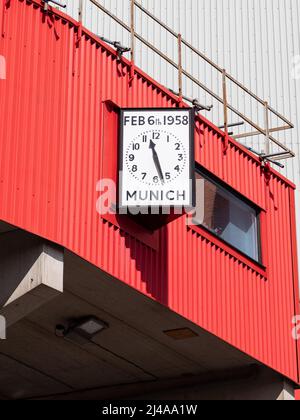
column 152, row 146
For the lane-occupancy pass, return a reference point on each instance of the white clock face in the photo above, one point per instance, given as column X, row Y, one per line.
column 156, row 158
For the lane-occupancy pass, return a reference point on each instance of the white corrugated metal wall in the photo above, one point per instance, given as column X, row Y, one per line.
column 257, row 41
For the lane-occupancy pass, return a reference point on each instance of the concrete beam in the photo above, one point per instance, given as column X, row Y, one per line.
column 245, row 383
column 31, row 274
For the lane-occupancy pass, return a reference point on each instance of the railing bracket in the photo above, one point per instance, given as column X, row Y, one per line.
column 265, row 159
column 117, row 45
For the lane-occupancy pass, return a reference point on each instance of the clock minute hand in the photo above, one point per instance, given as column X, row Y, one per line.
column 152, row 146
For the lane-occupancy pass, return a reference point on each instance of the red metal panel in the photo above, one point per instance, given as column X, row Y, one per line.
column 53, row 152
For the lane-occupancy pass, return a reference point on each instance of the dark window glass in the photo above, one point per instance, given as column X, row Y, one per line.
column 227, row 216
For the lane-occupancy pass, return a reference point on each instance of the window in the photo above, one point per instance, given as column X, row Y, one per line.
column 227, row 216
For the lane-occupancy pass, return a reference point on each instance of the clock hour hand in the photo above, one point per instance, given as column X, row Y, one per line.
column 152, row 146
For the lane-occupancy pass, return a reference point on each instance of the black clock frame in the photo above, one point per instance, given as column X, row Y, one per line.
column 157, row 210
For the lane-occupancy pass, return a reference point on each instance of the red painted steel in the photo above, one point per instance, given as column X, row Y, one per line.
column 54, row 148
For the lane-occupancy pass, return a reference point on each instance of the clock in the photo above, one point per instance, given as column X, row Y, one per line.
column 156, row 158
column 155, row 145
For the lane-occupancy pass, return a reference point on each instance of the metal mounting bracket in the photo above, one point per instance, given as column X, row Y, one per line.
column 197, row 105
column 117, row 45
column 266, row 159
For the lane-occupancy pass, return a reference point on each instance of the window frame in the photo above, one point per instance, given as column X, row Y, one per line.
column 223, row 185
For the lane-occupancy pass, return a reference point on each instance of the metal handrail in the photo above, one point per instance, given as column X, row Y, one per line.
column 218, row 68
column 267, row 131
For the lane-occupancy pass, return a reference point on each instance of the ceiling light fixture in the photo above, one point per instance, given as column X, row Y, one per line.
column 81, row 330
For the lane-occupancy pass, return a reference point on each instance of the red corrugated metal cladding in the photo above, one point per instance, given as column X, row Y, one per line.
column 55, row 146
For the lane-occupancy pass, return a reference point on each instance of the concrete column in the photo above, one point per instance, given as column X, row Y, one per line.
column 31, row 273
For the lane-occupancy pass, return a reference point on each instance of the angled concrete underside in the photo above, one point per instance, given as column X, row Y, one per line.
column 31, row 273
column 133, row 358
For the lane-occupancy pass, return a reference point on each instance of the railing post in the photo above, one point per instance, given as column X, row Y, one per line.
column 225, row 108
column 132, row 32
column 267, row 129
column 180, row 67
column 80, row 11
column 79, row 30
column 5, row 6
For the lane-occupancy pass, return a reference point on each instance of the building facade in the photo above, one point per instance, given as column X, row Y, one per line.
column 197, row 303
column 256, row 41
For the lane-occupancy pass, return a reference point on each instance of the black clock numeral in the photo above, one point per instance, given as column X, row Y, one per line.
column 155, row 179
column 185, row 120
column 167, row 175
column 144, row 138
column 136, row 146
column 144, row 174
column 180, row 158
column 169, row 120
column 168, row 139
column 177, row 168
column 156, row 136
column 134, row 168
column 178, row 120
column 177, row 146
column 131, row 158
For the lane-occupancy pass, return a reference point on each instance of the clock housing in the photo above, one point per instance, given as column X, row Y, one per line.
column 156, row 160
